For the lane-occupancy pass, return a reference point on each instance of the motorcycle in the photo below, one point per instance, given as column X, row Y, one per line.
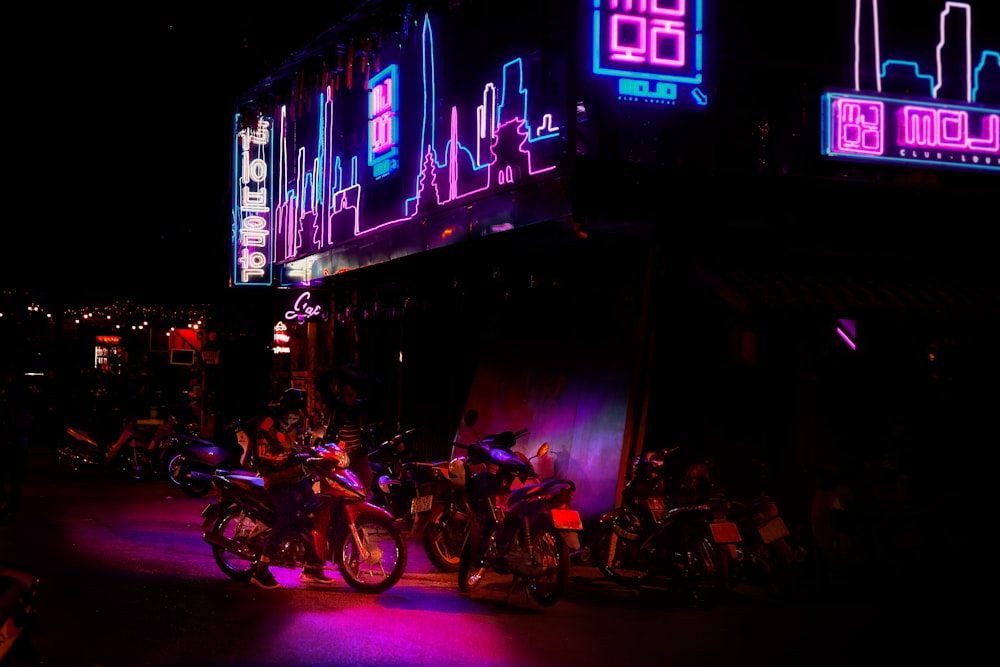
column 131, row 456
column 362, row 540
column 392, row 489
column 193, row 460
column 425, row 497
column 525, row 531
column 678, row 535
column 765, row 555
column 644, row 500
column 19, row 618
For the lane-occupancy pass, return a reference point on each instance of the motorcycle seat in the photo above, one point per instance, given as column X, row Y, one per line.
column 193, row 440
column 82, row 435
column 539, row 489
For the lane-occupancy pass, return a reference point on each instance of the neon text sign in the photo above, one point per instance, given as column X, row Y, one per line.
column 653, row 48
column 252, row 215
column 882, row 126
column 383, row 122
column 899, row 130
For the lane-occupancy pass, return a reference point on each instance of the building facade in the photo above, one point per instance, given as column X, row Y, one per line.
column 627, row 225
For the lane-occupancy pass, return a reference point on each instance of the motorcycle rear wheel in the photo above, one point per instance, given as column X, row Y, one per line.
column 548, row 589
column 445, row 535
column 236, row 526
column 386, row 562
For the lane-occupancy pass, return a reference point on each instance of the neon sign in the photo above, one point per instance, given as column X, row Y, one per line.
column 383, row 122
column 252, row 243
column 281, row 339
column 653, row 47
column 435, row 160
column 899, row 130
column 882, row 126
column 301, row 309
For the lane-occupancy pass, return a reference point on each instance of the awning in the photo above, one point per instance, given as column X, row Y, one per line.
column 851, row 287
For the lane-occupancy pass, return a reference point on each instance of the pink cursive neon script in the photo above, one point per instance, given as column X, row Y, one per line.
column 301, row 310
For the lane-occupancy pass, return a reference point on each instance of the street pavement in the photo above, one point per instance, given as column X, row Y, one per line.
column 128, row 580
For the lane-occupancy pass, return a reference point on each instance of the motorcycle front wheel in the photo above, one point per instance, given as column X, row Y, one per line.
column 445, row 535
column 138, row 465
column 705, row 578
column 553, row 553
column 620, row 559
column 179, row 472
column 379, row 563
column 471, row 570
column 234, row 526
column 68, row 459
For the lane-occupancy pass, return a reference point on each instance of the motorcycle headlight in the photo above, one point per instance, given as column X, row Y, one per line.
column 384, row 482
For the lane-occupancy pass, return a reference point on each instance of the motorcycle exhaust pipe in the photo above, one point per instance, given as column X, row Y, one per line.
column 203, row 476
column 227, row 544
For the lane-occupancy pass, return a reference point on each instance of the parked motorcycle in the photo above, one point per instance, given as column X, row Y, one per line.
column 392, row 489
column 671, row 534
column 362, row 540
column 521, row 531
column 425, row 497
column 84, row 452
column 619, row 531
column 19, row 618
column 764, row 556
column 194, row 460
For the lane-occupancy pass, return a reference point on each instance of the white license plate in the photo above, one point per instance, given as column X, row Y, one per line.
column 772, row 529
column 421, row 504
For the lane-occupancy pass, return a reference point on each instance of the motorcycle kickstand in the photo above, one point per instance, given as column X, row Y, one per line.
column 363, row 553
column 510, row 589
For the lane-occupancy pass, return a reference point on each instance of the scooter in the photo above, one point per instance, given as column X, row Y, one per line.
column 524, row 532
column 362, row 540
column 128, row 454
column 196, row 459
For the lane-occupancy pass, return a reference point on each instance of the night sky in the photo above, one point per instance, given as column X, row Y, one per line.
column 122, row 137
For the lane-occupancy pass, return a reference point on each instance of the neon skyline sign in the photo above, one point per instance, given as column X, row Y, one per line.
column 652, row 47
column 252, row 243
column 886, row 127
column 323, row 200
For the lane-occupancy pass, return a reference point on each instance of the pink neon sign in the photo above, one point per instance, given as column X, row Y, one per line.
column 252, row 242
column 899, row 130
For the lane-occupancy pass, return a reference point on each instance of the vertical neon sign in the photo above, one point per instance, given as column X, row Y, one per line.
column 383, row 122
column 653, row 48
column 252, row 243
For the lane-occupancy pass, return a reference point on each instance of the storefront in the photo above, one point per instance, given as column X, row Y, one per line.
column 548, row 220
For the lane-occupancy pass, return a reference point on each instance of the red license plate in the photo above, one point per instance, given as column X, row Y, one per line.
column 725, row 532
column 567, row 520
